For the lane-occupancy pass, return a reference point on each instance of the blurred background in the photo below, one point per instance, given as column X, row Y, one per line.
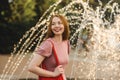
column 18, row 16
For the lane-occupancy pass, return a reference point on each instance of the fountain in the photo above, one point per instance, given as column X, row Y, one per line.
column 97, row 58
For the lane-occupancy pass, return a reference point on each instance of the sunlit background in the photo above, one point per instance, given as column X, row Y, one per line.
column 94, row 36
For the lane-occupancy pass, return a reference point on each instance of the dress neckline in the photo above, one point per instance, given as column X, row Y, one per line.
column 58, row 43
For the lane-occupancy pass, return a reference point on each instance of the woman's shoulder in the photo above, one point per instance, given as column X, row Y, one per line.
column 67, row 41
column 46, row 42
column 49, row 40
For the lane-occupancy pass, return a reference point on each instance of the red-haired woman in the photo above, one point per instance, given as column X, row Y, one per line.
column 52, row 55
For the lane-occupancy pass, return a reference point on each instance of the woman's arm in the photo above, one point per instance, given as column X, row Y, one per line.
column 34, row 67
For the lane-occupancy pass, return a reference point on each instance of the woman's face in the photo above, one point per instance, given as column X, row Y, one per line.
column 57, row 26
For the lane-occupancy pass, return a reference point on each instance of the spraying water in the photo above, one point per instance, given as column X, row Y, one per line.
column 95, row 41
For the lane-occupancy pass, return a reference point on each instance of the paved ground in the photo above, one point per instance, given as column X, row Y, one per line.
column 4, row 60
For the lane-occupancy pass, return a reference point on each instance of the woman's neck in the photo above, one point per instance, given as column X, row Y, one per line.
column 57, row 38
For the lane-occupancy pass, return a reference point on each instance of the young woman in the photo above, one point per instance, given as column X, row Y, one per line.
column 51, row 56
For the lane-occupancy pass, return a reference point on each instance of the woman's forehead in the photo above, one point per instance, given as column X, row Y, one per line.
column 56, row 19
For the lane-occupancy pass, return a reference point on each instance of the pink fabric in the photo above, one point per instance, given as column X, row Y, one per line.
column 45, row 49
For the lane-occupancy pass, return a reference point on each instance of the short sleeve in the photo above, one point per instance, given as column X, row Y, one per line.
column 45, row 49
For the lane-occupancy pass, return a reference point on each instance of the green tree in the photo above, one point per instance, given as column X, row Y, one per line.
column 5, row 11
column 22, row 10
column 16, row 18
column 42, row 6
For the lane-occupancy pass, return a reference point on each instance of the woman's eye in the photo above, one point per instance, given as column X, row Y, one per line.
column 53, row 24
column 59, row 22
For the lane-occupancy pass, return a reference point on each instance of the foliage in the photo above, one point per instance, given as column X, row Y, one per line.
column 22, row 10
column 41, row 6
column 5, row 11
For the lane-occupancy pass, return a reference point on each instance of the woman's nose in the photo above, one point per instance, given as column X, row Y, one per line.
column 57, row 25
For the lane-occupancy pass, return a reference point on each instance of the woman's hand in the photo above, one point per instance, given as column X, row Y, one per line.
column 58, row 70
